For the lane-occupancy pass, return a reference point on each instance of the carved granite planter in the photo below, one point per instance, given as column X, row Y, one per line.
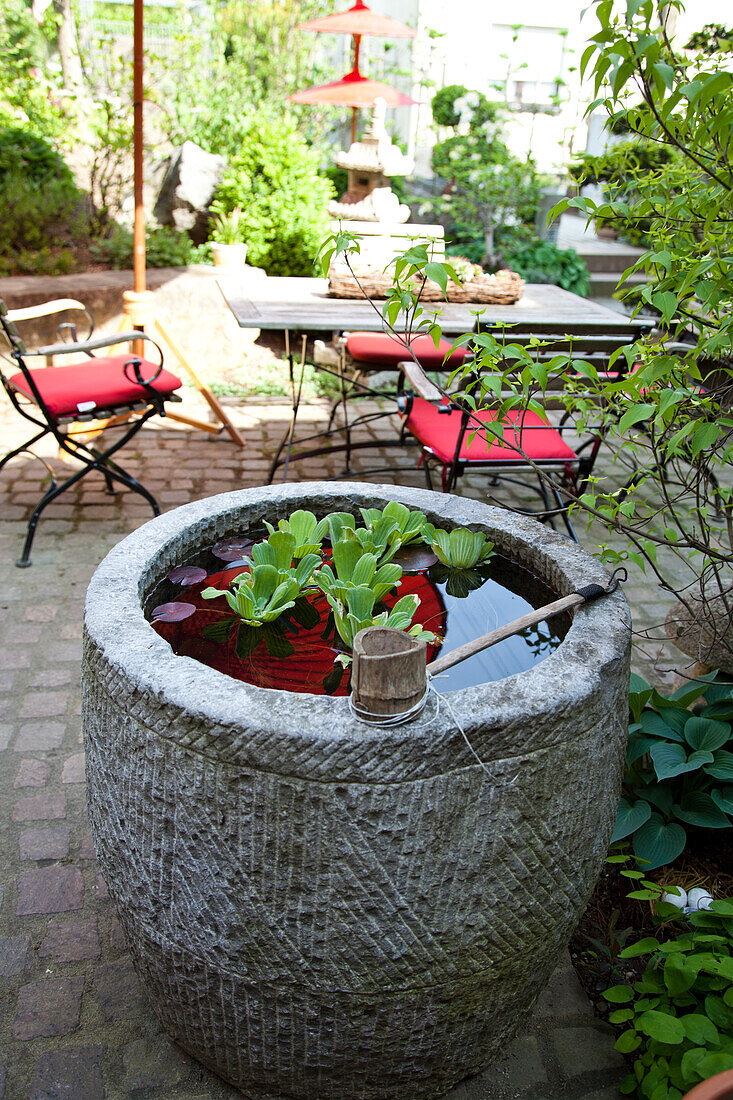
column 322, row 909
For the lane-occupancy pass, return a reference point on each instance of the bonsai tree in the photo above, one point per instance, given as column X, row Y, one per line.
column 490, row 195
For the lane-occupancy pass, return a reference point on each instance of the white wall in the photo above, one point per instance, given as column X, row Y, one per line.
column 523, row 47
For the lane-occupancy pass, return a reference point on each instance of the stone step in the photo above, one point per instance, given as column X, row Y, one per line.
column 616, row 260
column 603, row 284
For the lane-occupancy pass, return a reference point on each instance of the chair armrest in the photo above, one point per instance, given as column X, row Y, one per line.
column 45, row 309
column 93, row 345
column 419, row 381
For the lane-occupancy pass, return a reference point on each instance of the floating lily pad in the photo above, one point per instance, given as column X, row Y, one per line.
column 172, row 612
column 233, row 549
column 415, row 559
column 187, row 574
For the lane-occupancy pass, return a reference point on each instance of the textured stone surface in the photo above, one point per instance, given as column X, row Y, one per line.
column 13, row 954
column 50, row 890
column 48, row 1007
column 402, row 884
column 71, row 940
column 45, row 843
column 69, row 1075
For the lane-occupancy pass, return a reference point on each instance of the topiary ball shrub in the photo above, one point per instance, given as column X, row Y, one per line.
column 274, row 178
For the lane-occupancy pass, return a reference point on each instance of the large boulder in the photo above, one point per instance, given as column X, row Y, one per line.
column 188, row 188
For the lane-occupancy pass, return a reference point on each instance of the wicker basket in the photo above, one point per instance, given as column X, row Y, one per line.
column 504, row 288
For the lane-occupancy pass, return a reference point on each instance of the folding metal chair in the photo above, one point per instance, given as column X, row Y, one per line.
column 456, row 439
column 119, row 389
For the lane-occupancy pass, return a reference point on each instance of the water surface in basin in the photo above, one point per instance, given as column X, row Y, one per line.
column 456, row 608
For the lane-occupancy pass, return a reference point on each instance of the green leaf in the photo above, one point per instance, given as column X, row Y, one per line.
column 689, row 1065
column 634, row 415
column 643, row 947
column 438, row 274
column 712, row 1064
column 700, row 809
column 276, row 642
column 669, row 760
column 722, row 765
column 679, row 975
column 630, row 817
column 618, row 994
column 706, row 733
column 719, row 1012
column 360, row 602
column 657, row 843
column 657, row 726
column 627, row 1041
column 723, row 799
column 661, row 1026
column 248, row 638
column 305, row 613
column 219, row 631
column 700, row 1030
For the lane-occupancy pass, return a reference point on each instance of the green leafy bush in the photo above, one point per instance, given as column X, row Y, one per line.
column 679, row 769
column 273, row 176
column 25, row 153
column 35, row 218
column 680, row 1012
column 543, row 262
column 165, row 247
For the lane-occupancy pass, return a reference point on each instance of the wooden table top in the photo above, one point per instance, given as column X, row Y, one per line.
column 268, row 302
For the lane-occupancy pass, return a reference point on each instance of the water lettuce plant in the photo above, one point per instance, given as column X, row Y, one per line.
column 305, row 529
column 679, row 768
column 291, row 563
column 461, row 548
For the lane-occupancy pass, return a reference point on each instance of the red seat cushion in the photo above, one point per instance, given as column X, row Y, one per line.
column 382, row 349
column 94, row 384
column 439, row 431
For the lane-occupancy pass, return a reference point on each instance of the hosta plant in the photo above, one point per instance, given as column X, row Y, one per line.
column 680, row 1012
column 679, row 768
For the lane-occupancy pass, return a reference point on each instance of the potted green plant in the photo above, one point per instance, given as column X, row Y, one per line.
column 227, row 247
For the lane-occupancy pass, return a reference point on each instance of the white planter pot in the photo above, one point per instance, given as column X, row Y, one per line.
column 228, row 255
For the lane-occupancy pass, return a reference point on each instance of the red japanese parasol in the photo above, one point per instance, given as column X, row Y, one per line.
column 355, row 90
column 359, row 20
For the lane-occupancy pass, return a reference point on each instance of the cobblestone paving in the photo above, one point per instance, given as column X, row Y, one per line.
column 74, row 1020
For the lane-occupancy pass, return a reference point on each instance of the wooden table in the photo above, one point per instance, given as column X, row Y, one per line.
column 303, row 305
column 268, row 302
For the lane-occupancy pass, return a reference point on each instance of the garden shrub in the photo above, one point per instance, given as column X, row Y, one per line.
column 25, row 153
column 679, row 769
column 680, row 1012
column 164, row 247
column 543, row 262
column 41, row 209
column 274, row 177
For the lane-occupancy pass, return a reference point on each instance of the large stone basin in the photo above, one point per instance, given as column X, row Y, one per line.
column 318, row 908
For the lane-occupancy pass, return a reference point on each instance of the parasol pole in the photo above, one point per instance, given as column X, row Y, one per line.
column 355, row 110
column 138, row 247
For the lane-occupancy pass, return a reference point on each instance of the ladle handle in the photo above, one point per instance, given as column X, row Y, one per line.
column 575, row 599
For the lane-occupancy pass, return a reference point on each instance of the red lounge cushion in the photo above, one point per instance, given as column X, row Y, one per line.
column 439, row 431
column 95, row 384
column 384, row 350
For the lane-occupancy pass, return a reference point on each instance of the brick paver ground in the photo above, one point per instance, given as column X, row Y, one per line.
column 74, row 1019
